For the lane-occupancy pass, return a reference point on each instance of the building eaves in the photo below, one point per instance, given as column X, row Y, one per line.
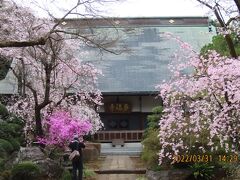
column 135, row 21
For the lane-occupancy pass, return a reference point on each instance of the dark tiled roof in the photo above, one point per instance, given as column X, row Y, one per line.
column 137, row 21
column 146, row 65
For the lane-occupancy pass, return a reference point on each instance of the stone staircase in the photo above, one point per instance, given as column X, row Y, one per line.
column 130, row 149
column 120, row 167
column 119, row 162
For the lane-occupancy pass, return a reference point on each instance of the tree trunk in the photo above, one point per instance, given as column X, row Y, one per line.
column 231, row 46
column 227, row 37
column 223, row 24
column 38, row 120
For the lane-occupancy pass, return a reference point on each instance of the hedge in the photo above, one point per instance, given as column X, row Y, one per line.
column 6, row 145
column 25, row 171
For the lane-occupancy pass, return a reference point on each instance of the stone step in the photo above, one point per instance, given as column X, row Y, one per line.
column 121, row 171
column 129, row 153
column 132, row 149
column 115, row 171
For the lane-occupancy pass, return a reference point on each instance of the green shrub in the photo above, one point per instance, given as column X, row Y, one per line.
column 10, row 130
column 3, row 134
column 3, row 153
column 153, row 119
column 230, row 169
column 2, row 162
column 66, row 175
column 25, row 171
column 15, row 144
column 3, row 111
column 6, row 130
column 151, row 144
column 16, row 120
column 157, row 168
column 202, row 171
column 16, row 127
column 7, row 146
column 151, row 148
column 13, row 129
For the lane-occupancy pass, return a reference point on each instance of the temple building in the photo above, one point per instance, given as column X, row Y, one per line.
column 135, row 58
column 141, row 54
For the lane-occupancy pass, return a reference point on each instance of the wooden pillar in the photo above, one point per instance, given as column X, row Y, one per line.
column 140, row 116
column 140, row 103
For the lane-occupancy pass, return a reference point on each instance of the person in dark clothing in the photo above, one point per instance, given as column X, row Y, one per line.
column 77, row 163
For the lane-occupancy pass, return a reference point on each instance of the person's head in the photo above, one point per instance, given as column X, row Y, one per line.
column 75, row 137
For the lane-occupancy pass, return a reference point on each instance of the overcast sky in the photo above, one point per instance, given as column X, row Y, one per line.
column 159, row 8
column 131, row 8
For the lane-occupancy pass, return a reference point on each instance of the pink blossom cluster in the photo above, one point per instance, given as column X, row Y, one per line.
column 18, row 23
column 61, row 128
column 202, row 109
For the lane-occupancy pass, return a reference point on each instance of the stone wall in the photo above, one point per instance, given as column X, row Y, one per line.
column 91, row 151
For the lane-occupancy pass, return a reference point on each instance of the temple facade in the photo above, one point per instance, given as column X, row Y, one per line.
column 134, row 57
column 142, row 49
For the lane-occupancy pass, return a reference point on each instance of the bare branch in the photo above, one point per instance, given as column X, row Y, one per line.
column 206, row 4
column 237, row 18
column 104, row 45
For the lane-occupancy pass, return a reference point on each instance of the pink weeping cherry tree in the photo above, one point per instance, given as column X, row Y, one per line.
column 52, row 77
column 202, row 108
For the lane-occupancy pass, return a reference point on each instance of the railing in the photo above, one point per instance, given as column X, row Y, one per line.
column 126, row 135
